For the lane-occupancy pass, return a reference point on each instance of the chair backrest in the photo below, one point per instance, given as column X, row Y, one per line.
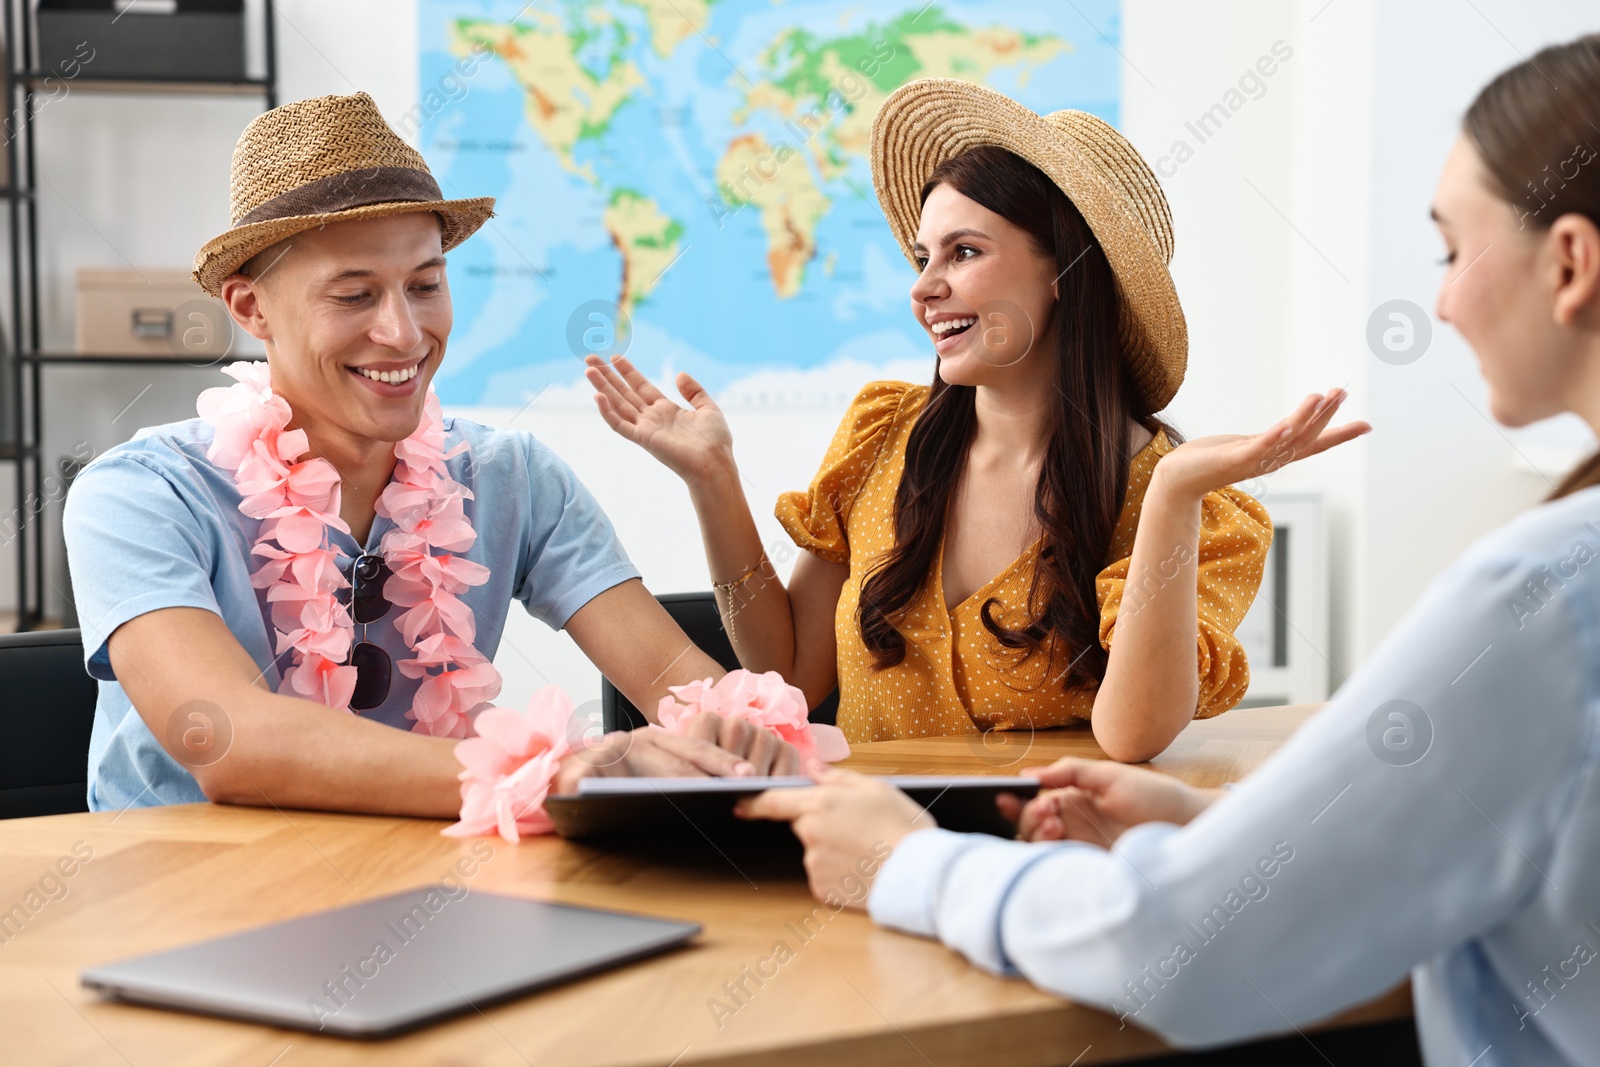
column 697, row 615
column 47, row 705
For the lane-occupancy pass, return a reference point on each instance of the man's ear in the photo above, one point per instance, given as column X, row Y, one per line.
column 240, row 294
column 1575, row 244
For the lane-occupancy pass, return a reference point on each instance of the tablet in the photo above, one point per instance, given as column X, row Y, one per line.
column 387, row 965
column 655, row 807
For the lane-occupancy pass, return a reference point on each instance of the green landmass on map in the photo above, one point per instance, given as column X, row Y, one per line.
column 577, row 69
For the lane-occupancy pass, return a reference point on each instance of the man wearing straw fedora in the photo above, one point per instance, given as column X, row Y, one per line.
column 269, row 590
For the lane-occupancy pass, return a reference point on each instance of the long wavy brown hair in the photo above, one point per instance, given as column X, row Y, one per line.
column 1084, row 477
column 1542, row 151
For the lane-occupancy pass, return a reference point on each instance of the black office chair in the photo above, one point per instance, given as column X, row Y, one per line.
column 697, row 615
column 46, row 714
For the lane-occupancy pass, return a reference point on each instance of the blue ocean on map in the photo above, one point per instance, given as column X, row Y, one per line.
column 688, row 181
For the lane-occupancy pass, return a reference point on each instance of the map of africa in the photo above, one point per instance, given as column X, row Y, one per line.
column 688, row 180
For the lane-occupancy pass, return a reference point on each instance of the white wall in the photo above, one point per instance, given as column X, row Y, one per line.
column 1304, row 214
column 1267, row 264
column 1442, row 472
column 1306, row 210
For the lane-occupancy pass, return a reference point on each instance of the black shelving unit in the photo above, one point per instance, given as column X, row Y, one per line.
column 26, row 361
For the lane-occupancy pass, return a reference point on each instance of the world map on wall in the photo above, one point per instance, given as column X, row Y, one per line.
column 688, row 180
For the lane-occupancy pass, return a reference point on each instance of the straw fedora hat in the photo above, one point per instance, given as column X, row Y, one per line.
column 327, row 159
column 925, row 122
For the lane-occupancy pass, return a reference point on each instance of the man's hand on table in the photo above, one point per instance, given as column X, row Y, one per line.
column 1095, row 801
column 849, row 824
column 713, row 746
column 765, row 751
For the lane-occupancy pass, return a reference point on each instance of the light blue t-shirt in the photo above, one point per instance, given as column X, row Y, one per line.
column 1441, row 816
column 153, row 524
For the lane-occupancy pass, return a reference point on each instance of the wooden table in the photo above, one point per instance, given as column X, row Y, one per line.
column 851, row 992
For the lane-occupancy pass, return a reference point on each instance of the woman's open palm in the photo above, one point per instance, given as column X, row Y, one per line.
column 692, row 442
column 1208, row 463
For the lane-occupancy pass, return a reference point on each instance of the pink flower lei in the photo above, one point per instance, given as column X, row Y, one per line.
column 297, row 500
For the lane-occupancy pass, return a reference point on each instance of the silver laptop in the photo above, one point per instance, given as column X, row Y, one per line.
column 383, row 966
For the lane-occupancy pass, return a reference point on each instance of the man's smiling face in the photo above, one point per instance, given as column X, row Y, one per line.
column 355, row 316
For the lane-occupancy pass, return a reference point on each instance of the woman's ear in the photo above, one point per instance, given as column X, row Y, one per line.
column 1574, row 242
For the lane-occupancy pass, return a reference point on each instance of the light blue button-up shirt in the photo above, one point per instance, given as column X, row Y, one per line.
column 153, row 524
column 1441, row 816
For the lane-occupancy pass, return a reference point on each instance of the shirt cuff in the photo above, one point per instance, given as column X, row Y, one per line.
column 903, row 893
column 955, row 887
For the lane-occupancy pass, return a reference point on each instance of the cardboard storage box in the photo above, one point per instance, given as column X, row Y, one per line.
column 152, row 311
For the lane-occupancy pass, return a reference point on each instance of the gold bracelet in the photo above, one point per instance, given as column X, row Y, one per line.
column 727, row 588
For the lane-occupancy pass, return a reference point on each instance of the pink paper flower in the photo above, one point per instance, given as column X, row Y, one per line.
column 445, row 701
column 317, row 569
column 310, row 622
column 439, row 650
column 432, row 513
column 765, row 700
column 423, row 452
column 241, row 415
column 509, row 766
column 323, row 680
column 271, row 488
column 414, row 571
column 434, row 612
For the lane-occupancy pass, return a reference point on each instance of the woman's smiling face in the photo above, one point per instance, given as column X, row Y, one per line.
column 985, row 294
column 1499, row 292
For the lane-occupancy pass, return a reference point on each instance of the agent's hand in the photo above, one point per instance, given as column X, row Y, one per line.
column 1095, row 801
column 1197, row 467
column 849, row 824
column 693, row 442
column 653, row 753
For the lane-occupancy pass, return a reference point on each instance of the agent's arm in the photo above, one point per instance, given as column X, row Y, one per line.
column 1439, row 796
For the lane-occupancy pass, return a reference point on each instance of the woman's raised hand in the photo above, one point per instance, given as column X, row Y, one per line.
column 1197, row 467
column 693, row 442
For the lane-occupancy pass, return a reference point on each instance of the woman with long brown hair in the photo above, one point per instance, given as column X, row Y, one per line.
column 1024, row 543
column 1440, row 816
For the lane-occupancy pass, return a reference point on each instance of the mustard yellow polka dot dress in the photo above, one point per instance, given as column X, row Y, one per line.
column 956, row 678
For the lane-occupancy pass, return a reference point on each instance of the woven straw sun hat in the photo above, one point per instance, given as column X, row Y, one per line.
column 926, row 122
column 313, row 162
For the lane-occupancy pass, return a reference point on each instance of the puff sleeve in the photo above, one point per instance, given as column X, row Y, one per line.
column 1235, row 533
column 817, row 519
